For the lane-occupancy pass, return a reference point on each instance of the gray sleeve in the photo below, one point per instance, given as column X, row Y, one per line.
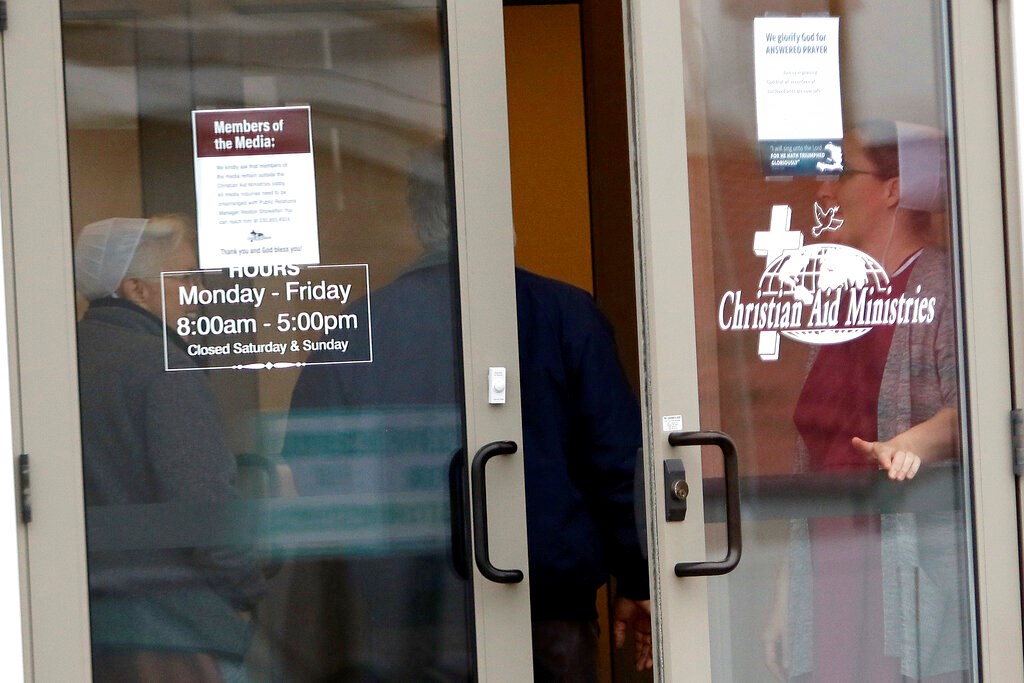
column 945, row 350
column 192, row 465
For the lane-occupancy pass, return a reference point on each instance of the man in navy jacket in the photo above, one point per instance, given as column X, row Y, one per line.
column 581, row 430
column 581, row 433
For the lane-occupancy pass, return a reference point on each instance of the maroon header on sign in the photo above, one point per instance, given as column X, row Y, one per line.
column 251, row 132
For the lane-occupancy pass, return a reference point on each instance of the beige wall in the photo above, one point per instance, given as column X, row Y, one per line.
column 105, row 174
column 548, row 142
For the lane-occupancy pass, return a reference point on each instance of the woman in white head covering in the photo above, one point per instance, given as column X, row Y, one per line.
column 880, row 597
column 893, row 180
column 154, row 459
column 123, row 258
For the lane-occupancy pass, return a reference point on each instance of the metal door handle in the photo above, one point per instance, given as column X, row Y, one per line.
column 458, row 492
column 480, row 542
column 732, row 503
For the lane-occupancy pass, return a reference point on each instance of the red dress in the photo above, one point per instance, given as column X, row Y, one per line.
column 839, row 400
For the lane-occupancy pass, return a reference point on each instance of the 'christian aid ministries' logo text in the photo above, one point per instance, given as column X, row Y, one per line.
column 823, row 294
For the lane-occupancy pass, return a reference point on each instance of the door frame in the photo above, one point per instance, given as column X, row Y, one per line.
column 666, row 303
column 986, row 329
column 13, row 539
column 44, row 319
column 490, row 334
column 1010, row 28
column 37, row 228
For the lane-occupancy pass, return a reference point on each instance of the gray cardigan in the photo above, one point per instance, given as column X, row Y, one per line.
column 159, row 479
column 924, row 559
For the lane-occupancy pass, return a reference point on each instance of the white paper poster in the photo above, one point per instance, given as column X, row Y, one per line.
column 799, row 106
column 255, row 187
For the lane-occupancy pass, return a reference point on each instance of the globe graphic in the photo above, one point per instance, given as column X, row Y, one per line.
column 799, row 275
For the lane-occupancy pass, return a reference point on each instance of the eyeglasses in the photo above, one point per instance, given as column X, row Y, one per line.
column 848, row 173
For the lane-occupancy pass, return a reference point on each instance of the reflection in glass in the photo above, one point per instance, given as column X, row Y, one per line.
column 155, row 465
column 384, row 436
column 349, row 527
column 887, row 401
column 847, row 574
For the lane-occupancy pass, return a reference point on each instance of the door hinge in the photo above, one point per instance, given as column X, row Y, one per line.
column 1016, row 429
column 24, row 488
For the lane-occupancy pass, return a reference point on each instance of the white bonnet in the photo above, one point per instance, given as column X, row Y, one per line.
column 914, row 152
column 103, row 252
column 922, row 151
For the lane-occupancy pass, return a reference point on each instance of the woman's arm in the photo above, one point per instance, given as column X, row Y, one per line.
column 933, row 440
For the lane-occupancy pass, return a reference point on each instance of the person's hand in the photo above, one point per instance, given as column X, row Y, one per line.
column 899, row 463
column 635, row 614
column 775, row 639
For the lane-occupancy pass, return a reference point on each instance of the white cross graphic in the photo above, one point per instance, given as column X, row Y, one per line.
column 772, row 244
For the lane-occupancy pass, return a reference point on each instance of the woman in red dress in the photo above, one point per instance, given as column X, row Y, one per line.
column 875, row 597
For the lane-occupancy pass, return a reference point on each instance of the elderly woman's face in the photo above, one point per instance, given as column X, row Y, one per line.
column 861, row 195
column 156, row 302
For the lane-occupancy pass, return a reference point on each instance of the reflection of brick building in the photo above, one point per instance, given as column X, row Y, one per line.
column 756, row 406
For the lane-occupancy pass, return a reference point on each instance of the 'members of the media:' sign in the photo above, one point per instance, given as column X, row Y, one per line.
column 799, row 107
column 816, row 294
column 255, row 187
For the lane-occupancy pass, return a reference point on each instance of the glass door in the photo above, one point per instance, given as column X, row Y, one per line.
column 818, row 195
column 292, row 334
